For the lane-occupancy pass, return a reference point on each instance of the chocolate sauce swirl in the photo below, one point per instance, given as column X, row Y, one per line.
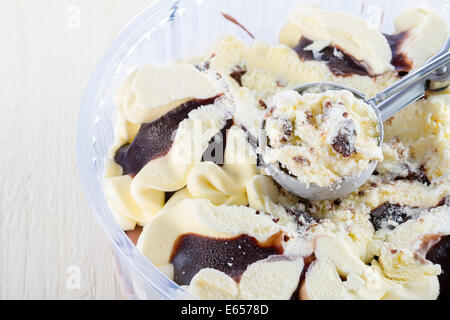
column 155, row 139
column 192, row 253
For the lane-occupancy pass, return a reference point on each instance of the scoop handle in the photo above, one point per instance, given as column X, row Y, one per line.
column 414, row 86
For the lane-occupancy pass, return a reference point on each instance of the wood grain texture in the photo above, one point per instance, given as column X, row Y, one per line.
column 47, row 53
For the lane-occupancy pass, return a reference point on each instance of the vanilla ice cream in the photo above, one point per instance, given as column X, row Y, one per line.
column 322, row 138
column 184, row 165
column 352, row 35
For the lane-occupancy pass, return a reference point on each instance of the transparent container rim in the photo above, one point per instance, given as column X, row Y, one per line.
column 91, row 184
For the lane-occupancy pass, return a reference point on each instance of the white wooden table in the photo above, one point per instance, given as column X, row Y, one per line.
column 48, row 235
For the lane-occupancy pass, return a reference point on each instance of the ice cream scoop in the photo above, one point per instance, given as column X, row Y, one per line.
column 434, row 76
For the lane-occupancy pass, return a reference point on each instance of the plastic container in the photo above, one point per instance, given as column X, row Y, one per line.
column 166, row 31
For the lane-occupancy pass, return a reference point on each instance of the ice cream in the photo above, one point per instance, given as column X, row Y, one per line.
column 348, row 34
column 322, row 138
column 184, row 165
column 265, row 70
column 423, row 34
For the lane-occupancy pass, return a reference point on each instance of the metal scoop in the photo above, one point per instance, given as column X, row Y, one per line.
column 385, row 104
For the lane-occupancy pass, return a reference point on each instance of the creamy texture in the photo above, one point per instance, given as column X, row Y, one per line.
column 422, row 145
column 270, row 69
column 338, row 273
column 184, row 166
column 262, row 281
column 321, row 138
column 352, row 35
column 426, row 32
column 141, row 197
column 145, row 95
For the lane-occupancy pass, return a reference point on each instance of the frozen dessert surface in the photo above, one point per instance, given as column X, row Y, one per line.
column 322, row 137
column 183, row 176
column 425, row 32
column 145, row 96
column 253, row 74
column 350, row 45
column 154, row 139
column 348, row 34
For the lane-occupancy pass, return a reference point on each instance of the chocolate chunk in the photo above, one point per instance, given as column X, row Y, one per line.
column 440, row 254
column 204, row 66
column 339, row 63
column 302, row 161
column 154, row 139
column 216, row 147
column 192, row 253
column 281, row 84
column 420, row 176
column 344, row 142
column 399, row 60
column 309, row 117
column 416, row 175
column 380, row 216
column 262, row 104
column 237, row 73
column 303, row 218
column 327, row 105
column 444, row 202
column 287, row 131
column 287, row 128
